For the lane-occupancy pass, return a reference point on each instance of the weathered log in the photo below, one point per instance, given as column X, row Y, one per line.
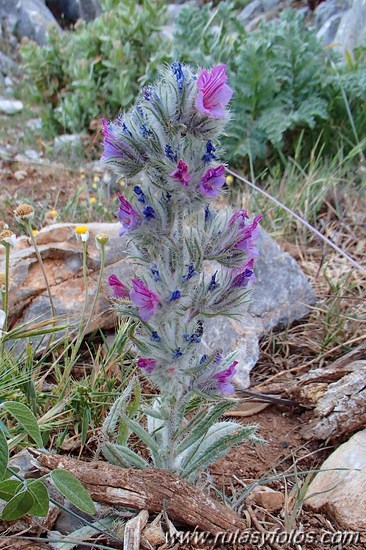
column 150, row 489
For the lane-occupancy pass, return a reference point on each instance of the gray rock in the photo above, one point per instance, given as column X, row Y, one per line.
column 10, row 106
column 339, row 489
column 352, row 28
column 7, row 65
column 328, row 31
column 27, row 18
column 67, row 12
column 280, row 295
column 256, row 9
column 34, row 123
column 328, row 9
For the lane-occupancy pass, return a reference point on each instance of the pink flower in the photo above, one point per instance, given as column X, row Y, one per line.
column 249, row 234
column 239, row 214
column 181, row 173
column 244, row 275
column 213, row 92
column 145, row 299
column 212, row 181
column 224, row 377
column 147, row 363
column 120, row 290
column 127, row 215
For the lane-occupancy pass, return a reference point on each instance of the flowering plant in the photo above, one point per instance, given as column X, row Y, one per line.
column 169, row 140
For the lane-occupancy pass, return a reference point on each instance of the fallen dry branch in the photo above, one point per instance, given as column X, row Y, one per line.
column 151, row 489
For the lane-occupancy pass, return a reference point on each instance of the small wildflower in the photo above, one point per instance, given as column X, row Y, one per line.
column 175, row 296
column 149, row 212
column 213, row 92
column 177, row 353
column 203, row 359
column 139, row 192
column 181, row 173
column 155, row 272
column 8, row 238
column 229, row 179
column 209, row 154
column 35, row 232
column 101, row 239
column 50, row 217
column 177, row 71
column 213, row 283
column 92, row 200
column 147, row 363
column 170, row 154
column 145, row 299
column 191, row 272
column 155, row 336
column 82, row 233
column 223, row 379
column 127, row 215
column 248, row 237
column 24, row 213
column 242, row 279
column 212, row 181
column 120, row 290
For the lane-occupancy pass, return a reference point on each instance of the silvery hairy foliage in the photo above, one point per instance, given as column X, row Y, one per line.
column 191, row 261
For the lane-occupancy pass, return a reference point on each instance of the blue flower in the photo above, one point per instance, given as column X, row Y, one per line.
column 207, row 213
column 149, row 213
column 155, row 272
column 203, row 359
column 126, row 130
column 209, row 155
column 155, row 336
column 145, row 132
column 138, row 191
column 213, row 283
column 177, row 353
column 168, row 196
column 170, row 154
column 191, row 272
column 179, row 75
column 175, row 295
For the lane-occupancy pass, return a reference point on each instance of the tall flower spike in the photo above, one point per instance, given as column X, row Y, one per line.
column 213, row 92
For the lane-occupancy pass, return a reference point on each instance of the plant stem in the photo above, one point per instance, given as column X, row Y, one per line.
column 39, row 257
column 5, row 294
column 99, row 285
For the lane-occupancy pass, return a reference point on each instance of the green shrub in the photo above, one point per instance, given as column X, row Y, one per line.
column 97, row 67
column 284, row 81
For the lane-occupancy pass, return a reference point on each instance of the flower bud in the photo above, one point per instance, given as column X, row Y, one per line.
column 24, row 213
column 7, row 238
column 100, row 240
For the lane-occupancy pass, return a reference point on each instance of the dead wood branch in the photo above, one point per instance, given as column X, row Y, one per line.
column 150, row 489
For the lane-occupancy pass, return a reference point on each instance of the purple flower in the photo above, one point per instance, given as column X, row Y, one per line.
column 155, row 336
column 191, row 272
column 120, row 290
column 212, row 181
column 147, row 363
column 248, row 237
column 175, row 296
column 145, row 299
column 112, row 147
column 213, row 92
column 149, row 212
column 244, row 276
column 139, row 192
column 181, row 173
column 223, row 379
column 243, row 214
column 127, row 215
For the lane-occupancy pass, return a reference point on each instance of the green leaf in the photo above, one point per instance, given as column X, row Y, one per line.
column 41, row 499
column 71, row 488
column 26, row 419
column 200, row 429
column 9, row 488
column 122, row 456
column 4, row 454
column 18, row 506
column 141, row 433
